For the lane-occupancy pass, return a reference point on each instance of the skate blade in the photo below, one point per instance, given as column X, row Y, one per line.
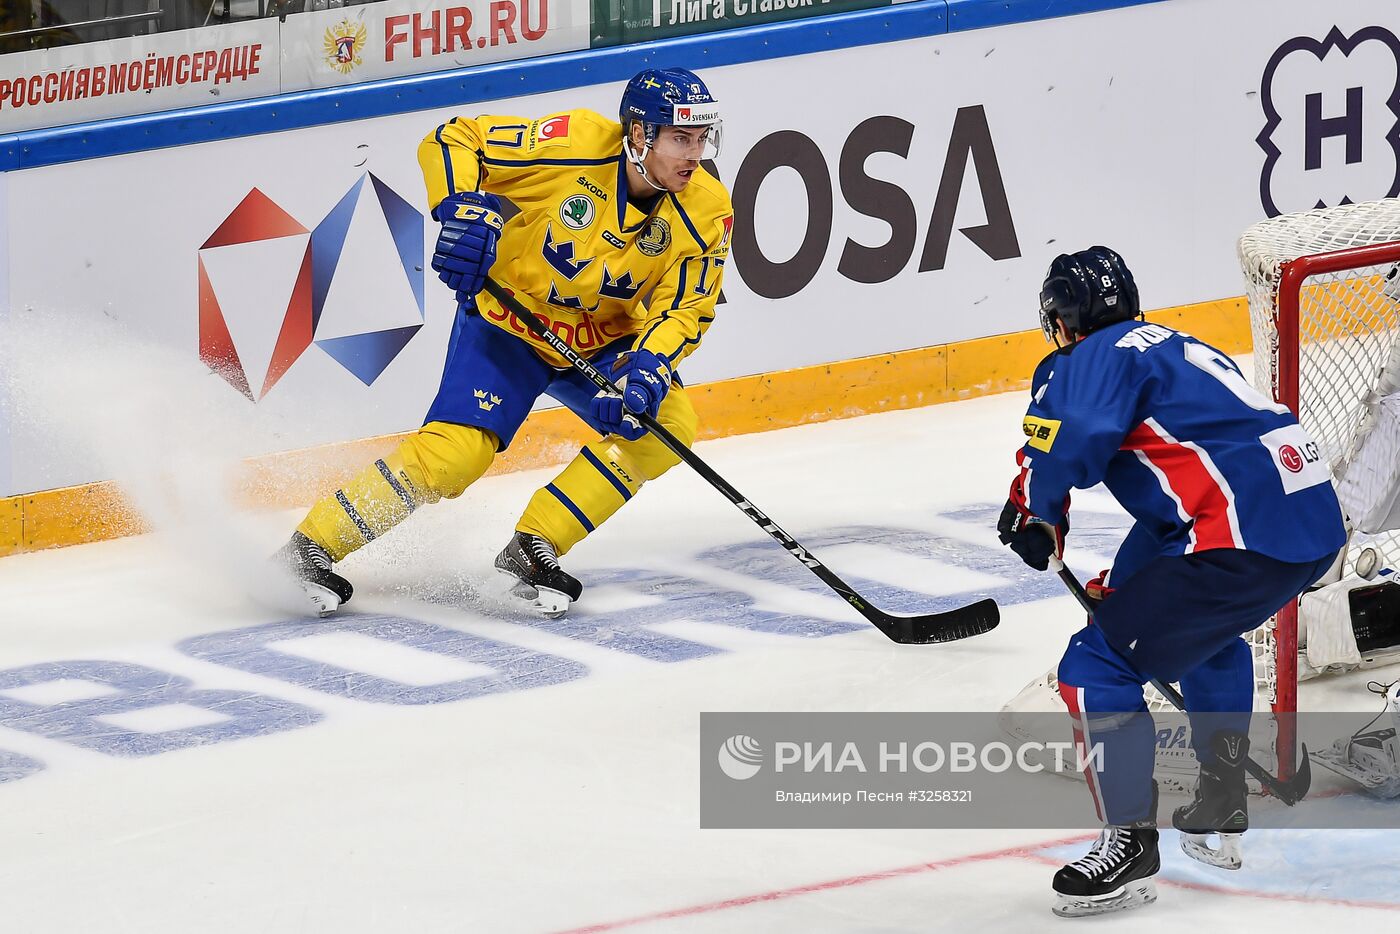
column 549, row 603
column 1374, row 781
column 1228, row 855
column 324, row 601
column 1125, row 897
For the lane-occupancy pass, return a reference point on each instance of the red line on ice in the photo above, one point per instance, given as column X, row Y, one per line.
column 1247, row 893
column 1022, row 852
column 1032, row 852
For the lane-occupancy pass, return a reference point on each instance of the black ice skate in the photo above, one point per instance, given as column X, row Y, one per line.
column 311, row 566
column 533, row 567
column 1221, row 805
column 1114, row 876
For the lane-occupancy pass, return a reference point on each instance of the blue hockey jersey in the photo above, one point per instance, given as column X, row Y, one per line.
column 1189, row 448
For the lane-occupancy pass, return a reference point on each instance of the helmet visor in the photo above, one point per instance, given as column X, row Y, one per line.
column 688, row 142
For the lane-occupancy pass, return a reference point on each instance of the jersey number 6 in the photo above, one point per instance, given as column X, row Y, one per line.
column 1212, row 362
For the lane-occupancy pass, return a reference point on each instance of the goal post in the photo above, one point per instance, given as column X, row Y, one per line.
column 1324, row 305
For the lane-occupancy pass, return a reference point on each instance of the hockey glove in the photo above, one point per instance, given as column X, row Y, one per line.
column 644, row 379
column 466, row 245
column 1098, row 589
column 1033, row 539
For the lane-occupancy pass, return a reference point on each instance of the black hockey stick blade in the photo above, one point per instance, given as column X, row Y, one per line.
column 962, row 623
column 1293, row 790
column 1289, row 791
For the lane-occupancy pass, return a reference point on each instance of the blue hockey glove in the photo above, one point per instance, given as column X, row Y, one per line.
column 1033, row 539
column 644, row 379
column 466, row 246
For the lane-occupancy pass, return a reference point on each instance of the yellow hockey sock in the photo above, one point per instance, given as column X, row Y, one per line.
column 594, row 486
column 438, row 461
column 604, row 476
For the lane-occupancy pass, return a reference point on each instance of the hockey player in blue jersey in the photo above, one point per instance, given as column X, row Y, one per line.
column 1234, row 516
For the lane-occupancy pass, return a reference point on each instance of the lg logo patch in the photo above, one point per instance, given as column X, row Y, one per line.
column 1332, row 121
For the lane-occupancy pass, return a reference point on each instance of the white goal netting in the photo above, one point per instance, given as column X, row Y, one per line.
column 1323, row 290
column 1344, row 339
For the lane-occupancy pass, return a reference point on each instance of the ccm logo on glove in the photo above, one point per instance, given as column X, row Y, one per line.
column 644, row 379
column 466, row 245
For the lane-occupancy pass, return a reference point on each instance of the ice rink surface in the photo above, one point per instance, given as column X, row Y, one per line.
column 177, row 758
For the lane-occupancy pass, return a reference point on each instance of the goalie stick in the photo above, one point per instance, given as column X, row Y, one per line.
column 1290, row 792
column 961, row 623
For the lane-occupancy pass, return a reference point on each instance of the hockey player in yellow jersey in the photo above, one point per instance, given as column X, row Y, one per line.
column 619, row 246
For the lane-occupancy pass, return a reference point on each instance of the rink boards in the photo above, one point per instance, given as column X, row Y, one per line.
column 897, row 203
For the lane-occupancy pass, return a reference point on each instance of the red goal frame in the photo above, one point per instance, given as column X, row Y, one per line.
column 1292, row 276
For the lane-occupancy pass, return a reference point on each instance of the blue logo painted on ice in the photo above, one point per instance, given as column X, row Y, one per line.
column 128, row 710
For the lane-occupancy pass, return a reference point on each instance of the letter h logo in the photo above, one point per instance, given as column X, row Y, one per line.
column 1348, row 125
column 1341, row 87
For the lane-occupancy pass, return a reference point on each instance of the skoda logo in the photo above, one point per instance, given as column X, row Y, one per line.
column 577, row 212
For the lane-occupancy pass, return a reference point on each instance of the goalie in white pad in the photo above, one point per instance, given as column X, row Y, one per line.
column 1371, row 757
column 1350, row 623
column 1368, row 481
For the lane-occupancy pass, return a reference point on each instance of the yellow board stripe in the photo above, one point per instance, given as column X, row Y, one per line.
column 883, row 383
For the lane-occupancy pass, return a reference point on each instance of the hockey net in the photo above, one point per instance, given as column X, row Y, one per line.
column 1324, row 306
column 1324, row 303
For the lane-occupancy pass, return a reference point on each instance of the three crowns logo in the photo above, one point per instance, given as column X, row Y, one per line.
column 487, row 401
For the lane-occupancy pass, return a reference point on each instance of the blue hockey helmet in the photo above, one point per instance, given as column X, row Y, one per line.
column 1087, row 290
column 660, row 97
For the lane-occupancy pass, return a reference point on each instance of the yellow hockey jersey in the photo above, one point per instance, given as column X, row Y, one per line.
column 592, row 266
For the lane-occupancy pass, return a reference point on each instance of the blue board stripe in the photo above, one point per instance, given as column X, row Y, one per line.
column 964, row 15
column 458, row 89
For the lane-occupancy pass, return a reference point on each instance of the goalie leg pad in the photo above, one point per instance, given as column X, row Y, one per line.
column 1371, row 758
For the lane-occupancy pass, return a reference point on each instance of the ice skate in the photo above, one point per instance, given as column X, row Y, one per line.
column 532, row 566
column 1221, row 805
column 1115, row 875
column 311, row 566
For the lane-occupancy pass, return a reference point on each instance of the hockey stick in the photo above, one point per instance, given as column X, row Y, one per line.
column 1290, row 792
column 961, row 623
